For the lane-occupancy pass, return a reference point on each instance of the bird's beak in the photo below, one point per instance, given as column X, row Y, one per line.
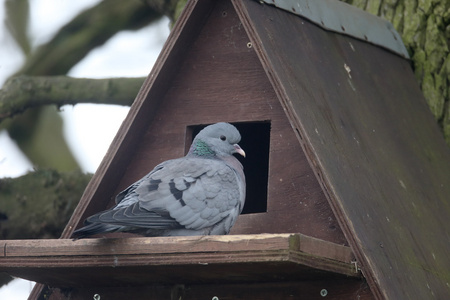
column 239, row 150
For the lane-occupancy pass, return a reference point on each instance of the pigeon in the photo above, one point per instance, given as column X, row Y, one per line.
column 202, row 193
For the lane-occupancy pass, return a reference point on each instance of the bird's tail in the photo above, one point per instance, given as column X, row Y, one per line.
column 94, row 228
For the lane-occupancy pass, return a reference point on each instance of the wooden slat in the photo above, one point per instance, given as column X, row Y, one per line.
column 260, row 243
column 140, row 245
column 253, row 257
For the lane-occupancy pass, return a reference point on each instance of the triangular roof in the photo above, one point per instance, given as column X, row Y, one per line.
column 375, row 146
column 356, row 111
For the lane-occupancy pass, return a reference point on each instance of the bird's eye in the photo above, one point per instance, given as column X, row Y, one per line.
column 223, row 138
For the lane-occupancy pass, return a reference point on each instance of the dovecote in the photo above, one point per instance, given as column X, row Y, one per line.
column 348, row 174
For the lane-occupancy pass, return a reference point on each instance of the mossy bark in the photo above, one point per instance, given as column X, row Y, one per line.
column 21, row 93
column 425, row 29
column 39, row 204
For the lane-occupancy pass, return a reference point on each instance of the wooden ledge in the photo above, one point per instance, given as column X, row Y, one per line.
column 144, row 261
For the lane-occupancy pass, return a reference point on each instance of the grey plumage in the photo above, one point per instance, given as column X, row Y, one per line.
column 199, row 194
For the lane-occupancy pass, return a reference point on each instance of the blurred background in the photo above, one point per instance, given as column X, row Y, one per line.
column 86, row 128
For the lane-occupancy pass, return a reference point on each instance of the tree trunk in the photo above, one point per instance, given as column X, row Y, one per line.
column 425, row 30
column 38, row 205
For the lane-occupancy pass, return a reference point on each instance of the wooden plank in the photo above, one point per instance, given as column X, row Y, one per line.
column 260, row 243
column 375, row 148
column 141, row 245
column 120, row 261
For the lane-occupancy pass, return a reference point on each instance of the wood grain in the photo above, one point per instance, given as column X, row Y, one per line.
column 217, row 77
column 373, row 144
column 137, row 261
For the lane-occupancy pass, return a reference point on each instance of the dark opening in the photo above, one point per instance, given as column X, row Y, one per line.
column 255, row 142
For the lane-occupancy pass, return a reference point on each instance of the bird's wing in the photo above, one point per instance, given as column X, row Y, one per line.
column 191, row 193
column 134, row 216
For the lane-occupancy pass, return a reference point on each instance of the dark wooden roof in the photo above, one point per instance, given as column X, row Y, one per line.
column 374, row 145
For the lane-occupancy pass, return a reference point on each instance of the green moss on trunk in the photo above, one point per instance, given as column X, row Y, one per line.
column 425, row 29
column 39, row 204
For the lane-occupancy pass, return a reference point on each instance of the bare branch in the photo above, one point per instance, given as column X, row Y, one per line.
column 23, row 92
column 86, row 31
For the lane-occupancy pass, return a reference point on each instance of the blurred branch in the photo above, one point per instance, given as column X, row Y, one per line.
column 88, row 30
column 16, row 20
column 42, row 142
column 41, row 138
column 23, row 92
column 169, row 8
column 38, row 205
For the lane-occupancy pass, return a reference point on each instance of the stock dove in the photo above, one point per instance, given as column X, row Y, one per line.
column 199, row 194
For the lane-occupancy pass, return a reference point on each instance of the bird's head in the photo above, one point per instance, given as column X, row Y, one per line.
column 220, row 139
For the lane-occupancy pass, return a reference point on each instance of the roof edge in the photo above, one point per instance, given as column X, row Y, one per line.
column 346, row 19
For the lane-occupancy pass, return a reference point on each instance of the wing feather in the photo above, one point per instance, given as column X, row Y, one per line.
column 189, row 192
column 189, row 186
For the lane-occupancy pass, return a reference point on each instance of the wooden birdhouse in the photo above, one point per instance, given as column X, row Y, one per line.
column 348, row 176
